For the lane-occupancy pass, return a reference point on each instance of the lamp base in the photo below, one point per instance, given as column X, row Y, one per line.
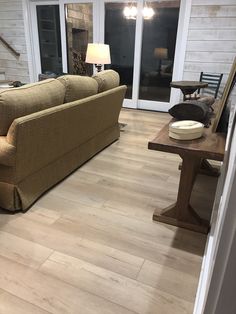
column 159, row 68
column 98, row 67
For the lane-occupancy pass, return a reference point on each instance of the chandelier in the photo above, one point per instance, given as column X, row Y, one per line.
column 130, row 12
column 148, row 13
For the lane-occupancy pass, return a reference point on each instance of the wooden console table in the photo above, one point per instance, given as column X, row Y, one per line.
column 209, row 146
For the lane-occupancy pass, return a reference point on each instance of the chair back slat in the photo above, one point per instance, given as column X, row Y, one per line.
column 213, row 80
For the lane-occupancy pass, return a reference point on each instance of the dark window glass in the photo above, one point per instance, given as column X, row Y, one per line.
column 49, row 38
column 120, row 35
column 158, row 50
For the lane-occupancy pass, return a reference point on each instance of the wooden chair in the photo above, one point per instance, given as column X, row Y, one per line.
column 213, row 81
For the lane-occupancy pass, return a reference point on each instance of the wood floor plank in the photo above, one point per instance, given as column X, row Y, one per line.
column 97, row 196
column 178, row 283
column 97, row 253
column 10, row 304
column 144, row 160
column 121, row 207
column 23, row 251
column 128, row 187
column 113, row 287
column 51, row 294
column 6, row 217
column 141, row 176
column 42, row 214
column 117, row 223
column 102, row 193
column 136, row 245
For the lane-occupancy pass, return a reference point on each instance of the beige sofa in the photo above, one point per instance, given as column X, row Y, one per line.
column 49, row 128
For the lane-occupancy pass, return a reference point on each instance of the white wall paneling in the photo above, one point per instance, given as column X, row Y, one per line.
column 212, row 34
column 211, row 67
column 13, row 31
column 214, row 11
column 212, row 23
column 209, row 56
column 217, row 280
column 211, row 45
column 180, row 48
column 213, row 2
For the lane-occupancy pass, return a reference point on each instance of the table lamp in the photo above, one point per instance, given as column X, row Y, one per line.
column 161, row 54
column 98, row 54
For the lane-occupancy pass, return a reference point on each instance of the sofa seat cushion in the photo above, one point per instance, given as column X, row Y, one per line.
column 106, row 80
column 27, row 99
column 7, row 152
column 78, row 87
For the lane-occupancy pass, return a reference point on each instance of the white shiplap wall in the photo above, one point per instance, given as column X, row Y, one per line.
column 211, row 44
column 12, row 30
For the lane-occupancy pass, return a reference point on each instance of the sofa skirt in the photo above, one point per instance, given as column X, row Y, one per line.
column 25, row 193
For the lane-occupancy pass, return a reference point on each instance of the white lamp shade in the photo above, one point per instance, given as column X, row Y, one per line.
column 161, row 53
column 98, row 54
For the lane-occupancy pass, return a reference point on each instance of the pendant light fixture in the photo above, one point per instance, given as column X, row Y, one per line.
column 148, row 12
column 130, row 11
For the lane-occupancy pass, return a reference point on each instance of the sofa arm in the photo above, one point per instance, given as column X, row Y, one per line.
column 7, row 152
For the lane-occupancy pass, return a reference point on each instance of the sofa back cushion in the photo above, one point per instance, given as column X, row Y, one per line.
column 106, row 80
column 21, row 101
column 78, row 87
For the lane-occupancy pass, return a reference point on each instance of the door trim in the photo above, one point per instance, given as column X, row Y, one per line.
column 180, row 47
column 35, row 49
column 29, row 39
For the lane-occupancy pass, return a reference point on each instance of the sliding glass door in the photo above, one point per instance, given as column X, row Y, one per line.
column 143, row 48
column 120, row 35
column 49, row 33
column 158, row 51
column 144, row 37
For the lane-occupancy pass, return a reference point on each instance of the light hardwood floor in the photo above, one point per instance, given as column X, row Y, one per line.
column 90, row 246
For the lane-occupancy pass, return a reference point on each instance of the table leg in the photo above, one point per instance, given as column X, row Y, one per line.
column 207, row 169
column 181, row 213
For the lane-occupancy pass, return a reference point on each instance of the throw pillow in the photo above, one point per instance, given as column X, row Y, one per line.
column 78, row 87
column 106, row 80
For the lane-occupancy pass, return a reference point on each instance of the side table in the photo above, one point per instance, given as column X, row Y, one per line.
column 188, row 87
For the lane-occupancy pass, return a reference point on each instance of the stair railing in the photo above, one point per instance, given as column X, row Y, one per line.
column 13, row 51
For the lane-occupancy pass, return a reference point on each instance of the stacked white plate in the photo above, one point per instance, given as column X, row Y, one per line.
column 186, row 130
